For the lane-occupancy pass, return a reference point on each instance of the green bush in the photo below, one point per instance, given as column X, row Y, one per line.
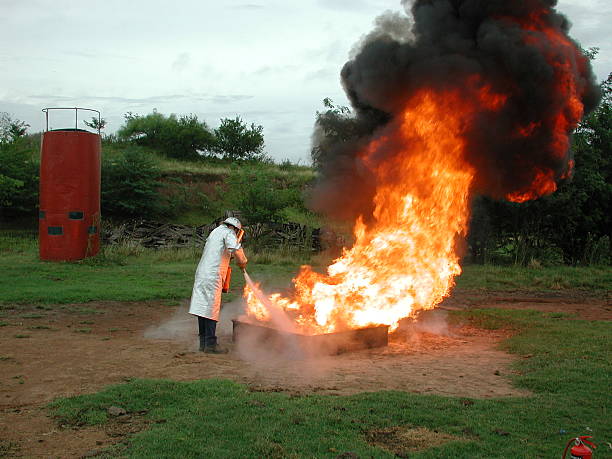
column 181, row 138
column 597, row 251
column 130, row 186
column 9, row 187
column 18, row 178
column 525, row 251
column 262, row 196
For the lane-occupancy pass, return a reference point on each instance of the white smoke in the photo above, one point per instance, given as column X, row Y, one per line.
column 278, row 317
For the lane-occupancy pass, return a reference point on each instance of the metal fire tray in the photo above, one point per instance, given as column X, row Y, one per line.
column 309, row 345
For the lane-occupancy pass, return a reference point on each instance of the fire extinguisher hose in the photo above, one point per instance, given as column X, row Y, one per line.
column 567, row 447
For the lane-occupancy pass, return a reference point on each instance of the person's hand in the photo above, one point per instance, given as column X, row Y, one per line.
column 242, row 266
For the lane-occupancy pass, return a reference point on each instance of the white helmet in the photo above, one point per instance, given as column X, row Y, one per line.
column 233, row 221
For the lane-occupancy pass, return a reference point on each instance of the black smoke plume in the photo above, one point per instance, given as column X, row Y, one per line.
column 439, row 44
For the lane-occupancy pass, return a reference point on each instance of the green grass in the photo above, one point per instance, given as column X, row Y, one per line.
column 221, row 169
column 39, row 327
column 597, row 280
column 209, row 167
column 568, row 367
column 568, row 371
column 119, row 273
column 132, row 273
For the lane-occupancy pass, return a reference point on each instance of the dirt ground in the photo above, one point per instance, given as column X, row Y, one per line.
column 80, row 349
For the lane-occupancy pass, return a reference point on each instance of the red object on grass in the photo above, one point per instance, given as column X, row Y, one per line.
column 580, row 450
column 69, row 217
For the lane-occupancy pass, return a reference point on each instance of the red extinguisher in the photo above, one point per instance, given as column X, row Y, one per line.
column 228, row 274
column 580, row 450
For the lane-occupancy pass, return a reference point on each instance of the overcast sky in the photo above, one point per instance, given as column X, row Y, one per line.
column 269, row 61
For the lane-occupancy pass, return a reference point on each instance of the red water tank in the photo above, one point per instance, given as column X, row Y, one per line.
column 69, row 219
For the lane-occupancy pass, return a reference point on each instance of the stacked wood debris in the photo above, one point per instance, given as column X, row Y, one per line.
column 153, row 234
column 272, row 235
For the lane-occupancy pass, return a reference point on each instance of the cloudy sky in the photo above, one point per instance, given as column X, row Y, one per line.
column 269, row 61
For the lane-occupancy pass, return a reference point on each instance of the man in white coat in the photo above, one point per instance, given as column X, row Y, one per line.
column 222, row 243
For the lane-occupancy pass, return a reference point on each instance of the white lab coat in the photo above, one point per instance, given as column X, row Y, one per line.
column 206, row 296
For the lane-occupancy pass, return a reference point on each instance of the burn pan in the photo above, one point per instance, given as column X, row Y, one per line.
column 301, row 346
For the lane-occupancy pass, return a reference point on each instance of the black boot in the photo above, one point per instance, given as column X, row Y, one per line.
column 202, row 343
column 208, row 338
column 216, row 349
column 211, row 348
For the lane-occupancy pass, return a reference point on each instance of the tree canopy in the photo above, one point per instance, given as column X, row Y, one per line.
column 11, row 129
column 188, row 138
column 235, row 140
column 96, row 123
column 333, row 126
column 182, row 137
column 18, row 172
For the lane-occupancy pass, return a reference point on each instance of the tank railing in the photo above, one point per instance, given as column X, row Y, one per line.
column 76, row 115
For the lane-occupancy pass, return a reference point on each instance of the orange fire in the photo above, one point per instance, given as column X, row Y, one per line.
column 405, row 260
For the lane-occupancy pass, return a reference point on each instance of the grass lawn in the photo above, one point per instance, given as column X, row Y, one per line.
column 596, row 280
column 566, row 365
column 119, row 274
column 133, row 274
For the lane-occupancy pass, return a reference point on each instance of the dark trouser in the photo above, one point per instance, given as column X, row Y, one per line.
column 207, row 328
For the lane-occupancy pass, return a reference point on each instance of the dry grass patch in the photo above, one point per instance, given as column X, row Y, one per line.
column 401, row 440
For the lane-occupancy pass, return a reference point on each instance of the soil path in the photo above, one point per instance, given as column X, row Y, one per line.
column 78, row 349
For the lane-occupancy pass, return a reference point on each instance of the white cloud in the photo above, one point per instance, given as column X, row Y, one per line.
column 270, row 61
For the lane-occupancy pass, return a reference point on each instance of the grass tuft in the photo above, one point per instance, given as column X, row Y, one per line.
column 82, row 330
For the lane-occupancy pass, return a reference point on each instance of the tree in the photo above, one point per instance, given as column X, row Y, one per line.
column 10, row 129
column 181, row 138
column 235, row 140
column 97, row 124
column 334, row 127
column 336, row 120
column 18, row 172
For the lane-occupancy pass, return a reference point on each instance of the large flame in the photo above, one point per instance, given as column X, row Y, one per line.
column 406, row 259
